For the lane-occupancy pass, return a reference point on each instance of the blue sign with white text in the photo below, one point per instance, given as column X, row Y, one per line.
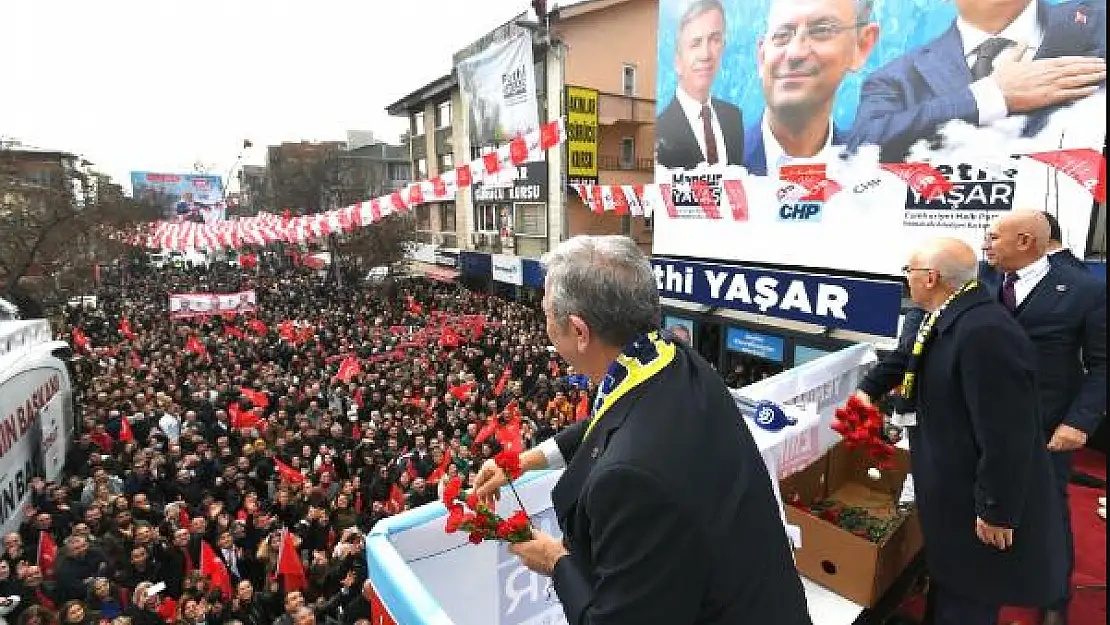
column 860, row 305
column 762, row 346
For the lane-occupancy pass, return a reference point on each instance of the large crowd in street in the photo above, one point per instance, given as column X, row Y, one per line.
column 267, row 444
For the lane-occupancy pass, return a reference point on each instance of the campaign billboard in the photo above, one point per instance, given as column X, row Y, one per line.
column 200, row 196
column 499, row 91
column 778, row 93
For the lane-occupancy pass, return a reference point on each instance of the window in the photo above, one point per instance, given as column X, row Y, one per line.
column 485, row 217
column 531, row 220
column 629, row 80
column 424, row 217
column 399, row 172
column 446, row 163
column 443, row 115
column 628, row 153
column 421, row 169
column 447, row 217
column 417, row 124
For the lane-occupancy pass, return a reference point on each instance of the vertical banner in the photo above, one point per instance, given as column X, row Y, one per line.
column 499, row 91
column 582, row 137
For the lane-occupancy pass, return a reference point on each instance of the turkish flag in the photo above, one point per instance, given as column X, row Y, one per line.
column 492, row 163
column 257, row 326
column 416, row 194
column 125, row 330
column 234, row 332
column 518, row 151
column 212, row 567
column 289, row 565
column 194, row 345
column 461, row 391
column 463, row 176
column 168, row 610
column 549, row 135
column 125, row 434
column 287, row 332
column 288, row 473
column 47, row 555
column 449, row 337
column 1084, row 165
column 348, row 369
column 80, row 339
column 502, row 382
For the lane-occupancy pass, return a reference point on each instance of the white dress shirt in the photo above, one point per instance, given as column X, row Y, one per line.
column 777, row 156
column 692, row 109
column 988, row 96
column 1029, row 277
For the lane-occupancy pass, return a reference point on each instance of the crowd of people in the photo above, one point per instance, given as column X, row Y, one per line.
column 268, row 443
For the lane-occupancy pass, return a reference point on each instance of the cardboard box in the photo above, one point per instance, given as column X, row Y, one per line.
column 851, row 565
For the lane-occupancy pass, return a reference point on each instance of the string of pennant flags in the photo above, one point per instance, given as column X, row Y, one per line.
column 724, row 197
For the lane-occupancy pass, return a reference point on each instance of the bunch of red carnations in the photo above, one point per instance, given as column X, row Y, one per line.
column 861, row 424
column 481, row 523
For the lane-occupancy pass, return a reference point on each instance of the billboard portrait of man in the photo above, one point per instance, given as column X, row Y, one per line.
column 998, row 58
column 695, row 127
column 808, row 49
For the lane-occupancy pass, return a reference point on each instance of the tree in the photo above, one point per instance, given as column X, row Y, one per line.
column 57, row 224
column 382, row 244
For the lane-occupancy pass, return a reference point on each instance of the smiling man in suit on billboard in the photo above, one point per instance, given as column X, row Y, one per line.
column 999, row 58
column 695, row 127
column 810, row 46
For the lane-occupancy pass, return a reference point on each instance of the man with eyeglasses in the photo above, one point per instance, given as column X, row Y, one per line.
column 695, row 127
column 810, row 46
column 999, row 58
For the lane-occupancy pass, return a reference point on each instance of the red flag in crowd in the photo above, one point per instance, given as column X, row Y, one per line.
column 125, row 329
column 289, row 565
column 288, row 473
column 441, row 470
column 194, row 345
column 305, row 334
column 509, row 434
column 413, row 306
column 168, row 610
column 449, row 337
column 348, row 369
column 287, row 332
column 248, row 261
column 234, row 332
column 80, row 339
column 501, row 383
column 256, row 398
column 257, row 326
column 212, row 567
column 125, row 433
column 396, row 501
column 47, row 555
column 242, row 419
column 461, row 391
column 488, row 430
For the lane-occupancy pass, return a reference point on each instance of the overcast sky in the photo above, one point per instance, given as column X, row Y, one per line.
column 159, row 85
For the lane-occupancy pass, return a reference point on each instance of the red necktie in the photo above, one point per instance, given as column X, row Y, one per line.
column 710, row 136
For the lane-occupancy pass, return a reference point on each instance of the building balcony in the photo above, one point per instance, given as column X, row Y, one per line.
column 615, row 163
column 615, row 109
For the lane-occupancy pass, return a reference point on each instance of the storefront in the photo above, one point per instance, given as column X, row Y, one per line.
column 752, row 323
column 512, row 209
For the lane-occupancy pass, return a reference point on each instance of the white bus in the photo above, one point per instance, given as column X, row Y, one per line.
column 36, row 412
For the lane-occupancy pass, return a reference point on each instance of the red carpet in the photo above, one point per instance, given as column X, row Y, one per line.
column 1088, row 606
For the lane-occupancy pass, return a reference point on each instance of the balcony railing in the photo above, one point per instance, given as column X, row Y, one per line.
column 614, row 108
column 616, row 163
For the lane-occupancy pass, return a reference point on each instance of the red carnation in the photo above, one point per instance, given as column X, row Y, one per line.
column 475, row 537
column 472, row 501
column 455, row 518
column 510, row 463
column 518, row 521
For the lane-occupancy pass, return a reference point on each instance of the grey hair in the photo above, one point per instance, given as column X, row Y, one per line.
column 696, row 9
column 864, row 10
column 608, row 282
column 952, row 271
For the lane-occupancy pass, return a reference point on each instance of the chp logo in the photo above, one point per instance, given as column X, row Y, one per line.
column 974, row 188
column 797, row 203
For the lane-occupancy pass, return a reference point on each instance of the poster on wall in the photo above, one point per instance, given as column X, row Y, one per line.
column 819, row 106
column 499, row 91
column 581, row 135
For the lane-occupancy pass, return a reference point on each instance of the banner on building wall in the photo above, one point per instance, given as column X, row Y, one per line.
column 826, row 150
column 507, row 269
column 189, row 305
column 499, row 91
column 582, row 135
column 867, row 306
column 197, row 196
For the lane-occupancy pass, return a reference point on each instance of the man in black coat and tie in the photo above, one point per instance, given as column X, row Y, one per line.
column 982, row 474
column 1063, row 310
column 666, row 507
column 695, row 127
